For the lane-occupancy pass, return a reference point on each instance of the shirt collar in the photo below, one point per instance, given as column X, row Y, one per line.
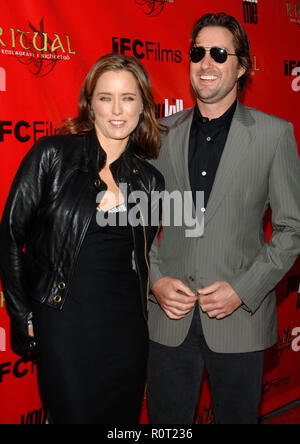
column 96, row 156
column 224, row 120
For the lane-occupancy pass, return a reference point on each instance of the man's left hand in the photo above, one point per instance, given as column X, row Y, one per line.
column 219, row 300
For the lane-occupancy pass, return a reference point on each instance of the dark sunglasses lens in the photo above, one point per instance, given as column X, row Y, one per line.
column 197, row 54
column 219, row 54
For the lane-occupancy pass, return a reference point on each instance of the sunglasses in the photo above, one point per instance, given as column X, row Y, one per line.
column 219, row 55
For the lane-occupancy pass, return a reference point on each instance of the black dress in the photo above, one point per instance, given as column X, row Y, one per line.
column 92, row 356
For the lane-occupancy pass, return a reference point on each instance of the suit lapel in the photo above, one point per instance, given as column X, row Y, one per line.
column 179, row 150
column 237, row 144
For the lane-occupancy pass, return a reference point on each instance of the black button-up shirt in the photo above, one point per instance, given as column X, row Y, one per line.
column 206, row 146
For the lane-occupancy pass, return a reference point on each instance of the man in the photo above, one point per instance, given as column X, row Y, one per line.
column 213, row 301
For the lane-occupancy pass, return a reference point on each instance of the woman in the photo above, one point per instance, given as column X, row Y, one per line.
column 85, row 285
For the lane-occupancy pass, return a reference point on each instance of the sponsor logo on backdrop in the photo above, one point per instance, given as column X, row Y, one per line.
column 255, row 66
column 290, row 66
column 2, row 330
column 206, row 416
column 142, row 50
column 38, row 417
column 250, row 11
column 168, row 108
column 292, row 69
column 36, row 47
column 275, row 384
column 24, row 131
column 153, row 7
column 293, row 11
column 2, row 80
column 287, row 341
column 18, row 369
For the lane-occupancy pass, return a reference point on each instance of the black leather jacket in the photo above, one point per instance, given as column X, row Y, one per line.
column 50, row 205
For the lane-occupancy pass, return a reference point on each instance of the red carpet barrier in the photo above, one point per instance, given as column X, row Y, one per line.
column 46, row 48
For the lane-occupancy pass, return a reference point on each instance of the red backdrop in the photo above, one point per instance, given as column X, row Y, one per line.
column 46, row 49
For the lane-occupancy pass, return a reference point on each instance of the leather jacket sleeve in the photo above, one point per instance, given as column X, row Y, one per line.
column 24, row 198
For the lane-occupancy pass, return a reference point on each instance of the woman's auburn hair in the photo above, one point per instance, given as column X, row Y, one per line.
column 146, row 138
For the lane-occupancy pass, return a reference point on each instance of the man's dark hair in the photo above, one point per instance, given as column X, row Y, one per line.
column 240, row 39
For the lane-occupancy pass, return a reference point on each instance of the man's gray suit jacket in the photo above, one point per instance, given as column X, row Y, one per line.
column 260, row 165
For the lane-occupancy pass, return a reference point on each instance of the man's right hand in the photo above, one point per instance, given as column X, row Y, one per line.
column 174, row 304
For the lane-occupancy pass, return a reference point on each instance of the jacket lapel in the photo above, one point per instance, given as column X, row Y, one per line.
column 237, row 144
column 179, row 150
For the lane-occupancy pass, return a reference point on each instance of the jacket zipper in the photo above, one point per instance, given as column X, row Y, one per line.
column 76, row 255
column 145, row 250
